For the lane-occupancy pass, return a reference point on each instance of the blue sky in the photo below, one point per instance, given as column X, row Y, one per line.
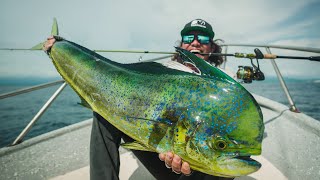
column 155, row 26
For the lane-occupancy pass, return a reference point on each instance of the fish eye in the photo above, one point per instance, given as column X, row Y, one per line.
column 220, row 144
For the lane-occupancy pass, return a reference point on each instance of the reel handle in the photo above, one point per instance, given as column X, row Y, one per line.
column 258, row 53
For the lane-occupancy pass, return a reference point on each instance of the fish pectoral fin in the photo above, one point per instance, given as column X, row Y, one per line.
column 84, row 103
column 136, row 146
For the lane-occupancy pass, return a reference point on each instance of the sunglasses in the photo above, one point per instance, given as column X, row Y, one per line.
column 187, row 39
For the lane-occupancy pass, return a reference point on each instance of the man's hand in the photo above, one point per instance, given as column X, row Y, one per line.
column 175, row 162
column 49, row 43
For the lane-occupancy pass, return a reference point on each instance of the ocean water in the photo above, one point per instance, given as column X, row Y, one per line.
column 304, row 93
column 16, row 112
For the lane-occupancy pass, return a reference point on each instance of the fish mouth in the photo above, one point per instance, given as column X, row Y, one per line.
column 244, row 158
column 236, row 166
column 247, row 161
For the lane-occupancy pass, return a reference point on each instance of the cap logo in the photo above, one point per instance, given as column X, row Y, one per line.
column 199, row 23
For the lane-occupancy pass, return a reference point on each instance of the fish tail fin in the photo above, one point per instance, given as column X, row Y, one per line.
column 54, row 32
column 55, row 29
column 38, row 46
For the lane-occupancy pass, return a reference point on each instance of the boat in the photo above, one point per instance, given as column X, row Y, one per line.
column 290, row 146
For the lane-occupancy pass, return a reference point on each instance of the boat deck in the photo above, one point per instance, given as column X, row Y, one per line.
column 134, row 170
column 64, row 153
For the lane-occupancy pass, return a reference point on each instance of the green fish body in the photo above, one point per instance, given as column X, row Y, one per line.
column 209, row 120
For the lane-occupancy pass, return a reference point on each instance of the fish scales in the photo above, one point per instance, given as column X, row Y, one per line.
column 209, row 120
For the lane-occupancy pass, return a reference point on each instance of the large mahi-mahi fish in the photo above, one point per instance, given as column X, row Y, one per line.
column 209, row 120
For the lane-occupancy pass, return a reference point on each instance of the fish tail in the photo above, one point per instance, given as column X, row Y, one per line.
column 54, row 32
column 55, row 29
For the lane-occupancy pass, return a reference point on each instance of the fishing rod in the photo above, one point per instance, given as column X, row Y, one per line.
column 236, row 55
column 135, row 51
column 37, row 48
column 19, row 49
column 273, row 56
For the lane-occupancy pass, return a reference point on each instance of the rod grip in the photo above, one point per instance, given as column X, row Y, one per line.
column 269, row 56
column 314, row 58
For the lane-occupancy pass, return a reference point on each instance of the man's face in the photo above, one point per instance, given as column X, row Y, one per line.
column 198, row 45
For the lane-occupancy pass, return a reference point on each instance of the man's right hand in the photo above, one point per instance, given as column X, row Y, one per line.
column 49, row 43
column 175, row 162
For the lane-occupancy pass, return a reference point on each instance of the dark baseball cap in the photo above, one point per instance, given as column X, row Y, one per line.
column 198, row 25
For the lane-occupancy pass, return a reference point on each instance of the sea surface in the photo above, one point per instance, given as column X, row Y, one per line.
column 16, row 112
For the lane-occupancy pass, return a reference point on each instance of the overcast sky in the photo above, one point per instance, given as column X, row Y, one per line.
column 155, row 25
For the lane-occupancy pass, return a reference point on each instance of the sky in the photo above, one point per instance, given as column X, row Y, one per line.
column 155, row 25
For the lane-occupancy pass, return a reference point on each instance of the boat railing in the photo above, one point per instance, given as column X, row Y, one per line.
column 41, row 111
column 292, row 105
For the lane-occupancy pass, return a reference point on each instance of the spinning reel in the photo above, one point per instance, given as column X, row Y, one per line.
column 248, row 73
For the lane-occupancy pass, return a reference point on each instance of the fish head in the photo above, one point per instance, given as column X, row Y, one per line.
column 220, row 139
column 221, row 156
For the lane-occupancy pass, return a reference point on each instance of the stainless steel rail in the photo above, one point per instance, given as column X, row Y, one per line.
column 38, row 115
column 282, row 83
column 41, row 111
column 275, row 67
column 307, row 49
column 29, row 89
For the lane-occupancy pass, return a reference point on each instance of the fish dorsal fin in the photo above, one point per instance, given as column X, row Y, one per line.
column 205, row 68
column 136, row 146
column 54, row 32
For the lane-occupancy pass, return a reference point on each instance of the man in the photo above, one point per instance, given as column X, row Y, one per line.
column 197, row 37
